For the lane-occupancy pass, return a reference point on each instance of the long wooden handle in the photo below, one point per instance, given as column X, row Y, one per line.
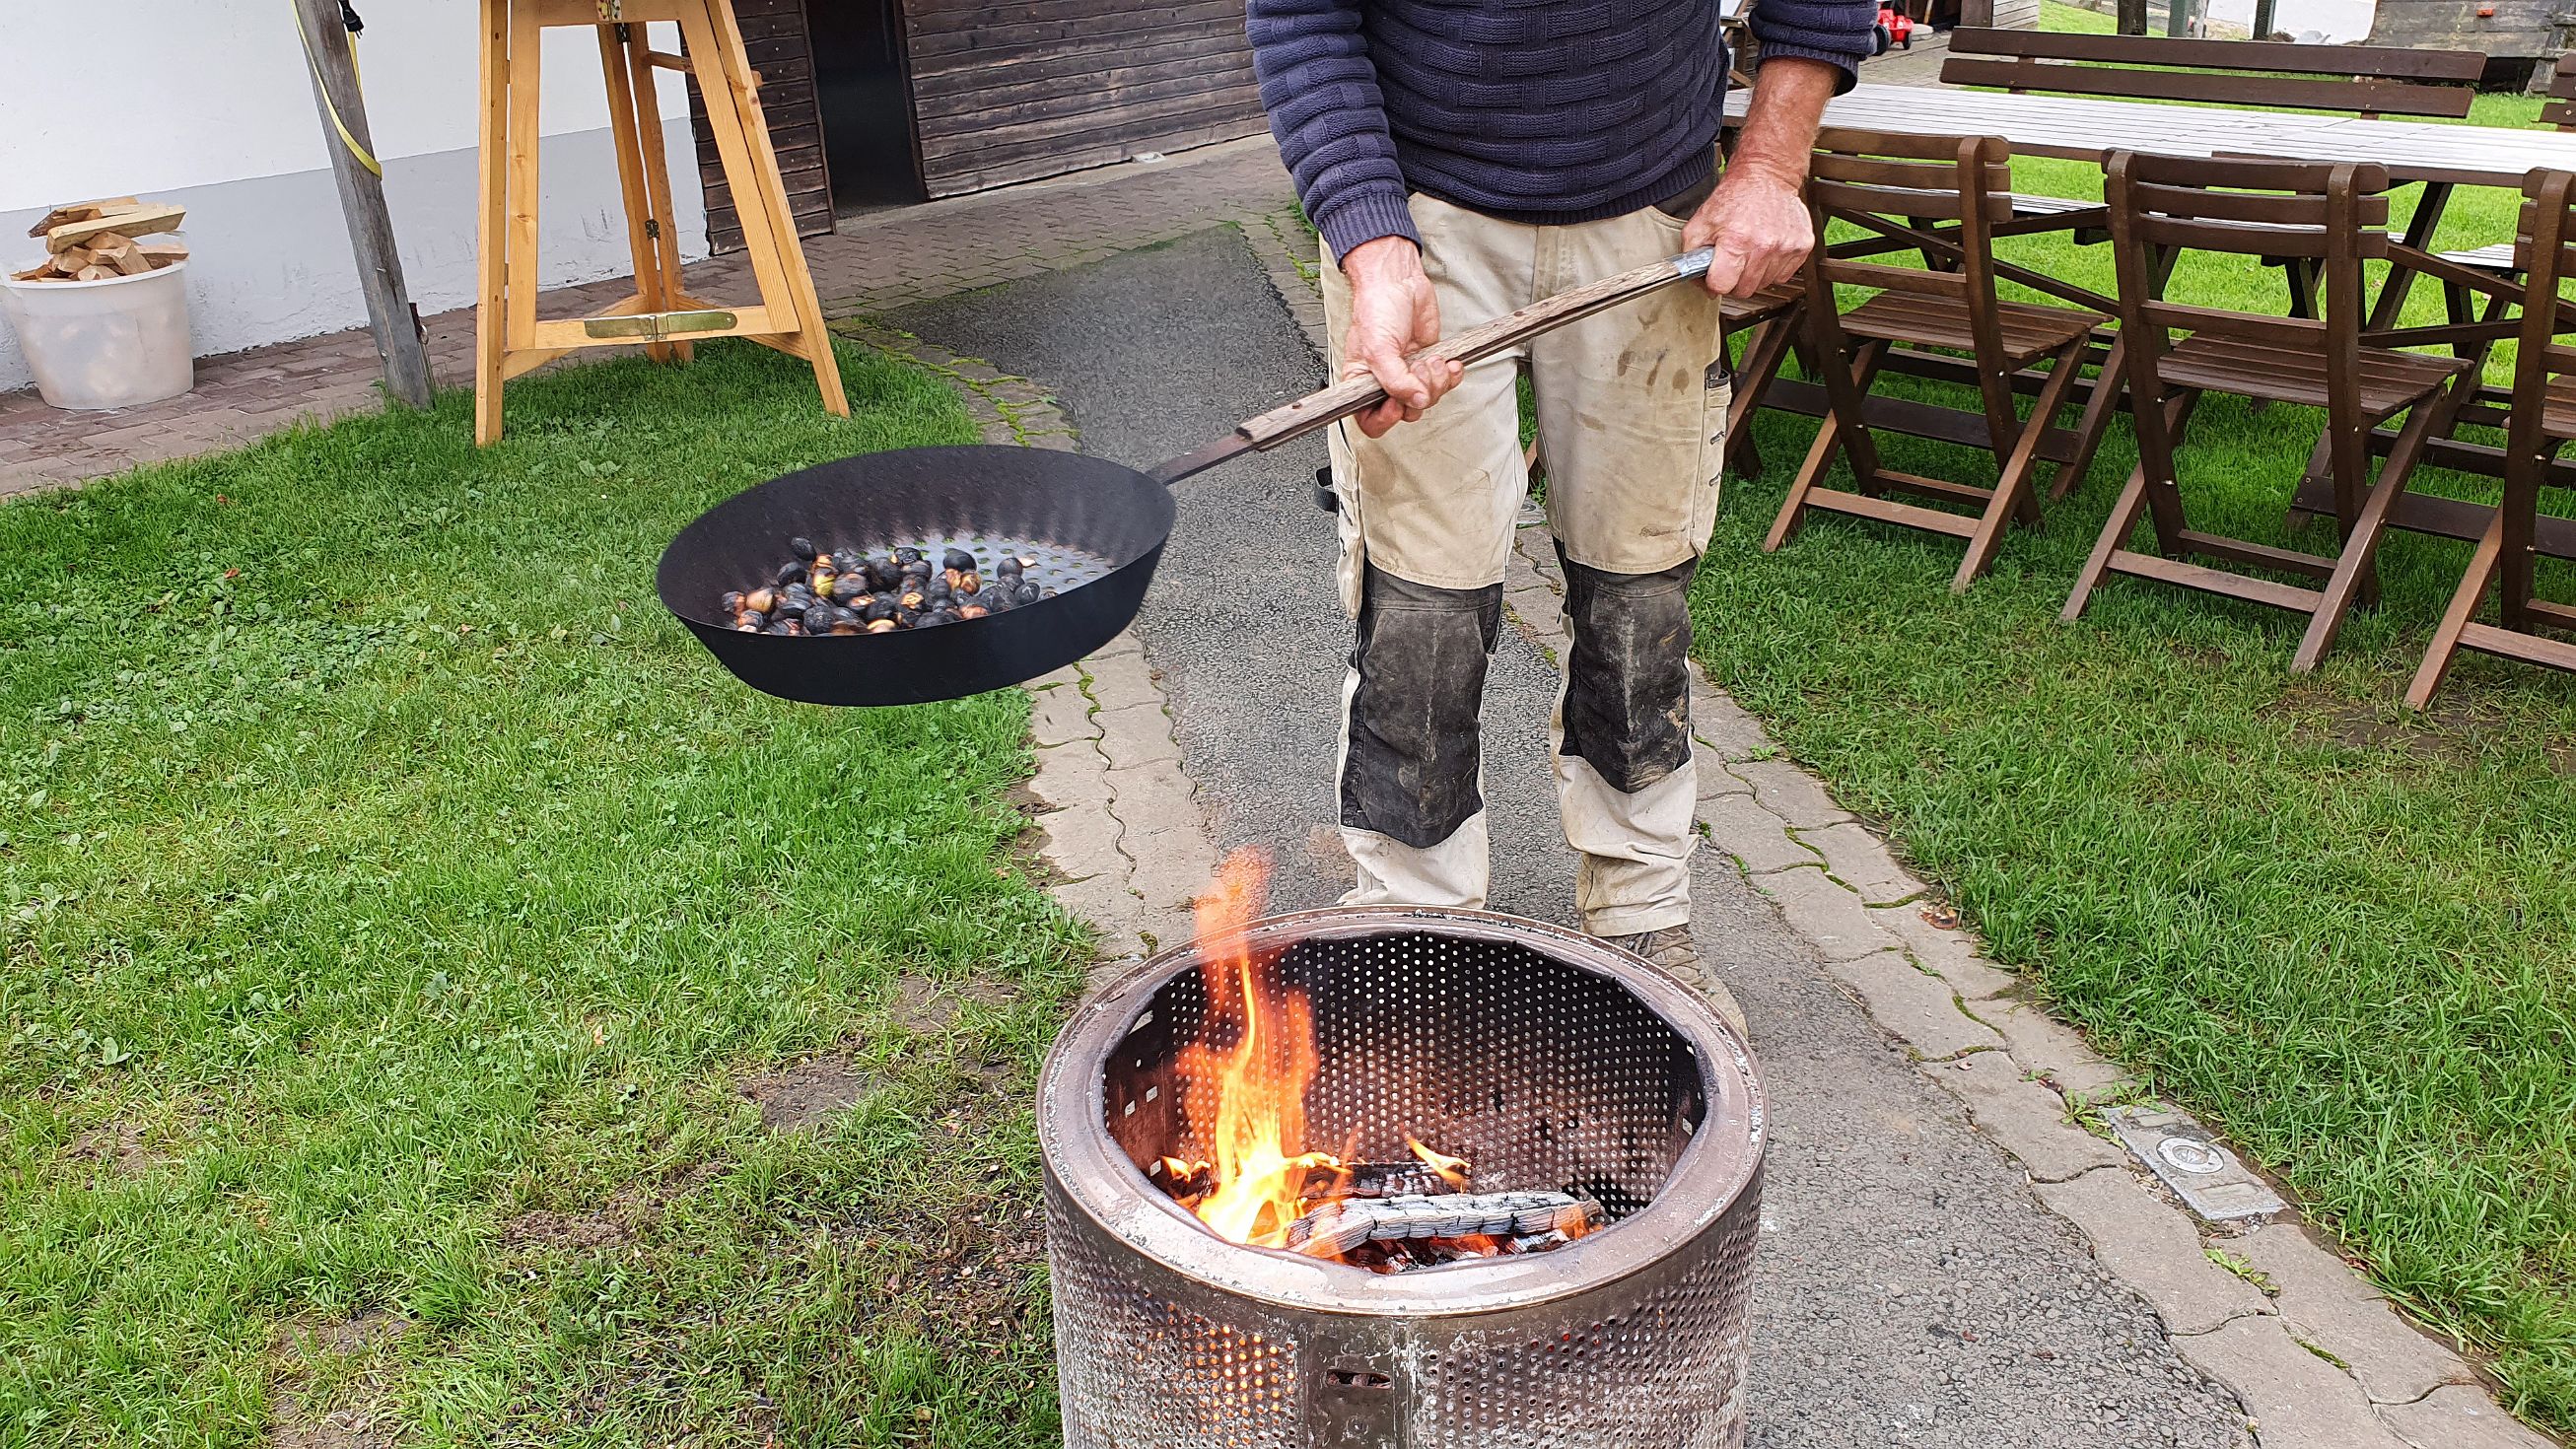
column 1358, row 394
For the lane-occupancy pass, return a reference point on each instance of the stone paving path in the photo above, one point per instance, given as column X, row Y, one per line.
column 2311, row 1355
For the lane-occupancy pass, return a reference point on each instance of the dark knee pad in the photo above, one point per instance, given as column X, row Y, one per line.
column 1421, row 655
column 1627, row 693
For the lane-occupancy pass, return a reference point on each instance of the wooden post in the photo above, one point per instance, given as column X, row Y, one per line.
column 2264, row 10
column 2133, row 17
column 334, row 72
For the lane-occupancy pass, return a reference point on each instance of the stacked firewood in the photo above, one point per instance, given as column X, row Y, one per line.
column 90, row 241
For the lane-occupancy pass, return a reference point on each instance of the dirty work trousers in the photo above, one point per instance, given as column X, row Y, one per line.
column 1631, row 408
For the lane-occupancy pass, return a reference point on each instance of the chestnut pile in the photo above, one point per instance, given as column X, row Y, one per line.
column 815, row 592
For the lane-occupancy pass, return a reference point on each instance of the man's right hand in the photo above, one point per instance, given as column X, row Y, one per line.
column 1393, row 315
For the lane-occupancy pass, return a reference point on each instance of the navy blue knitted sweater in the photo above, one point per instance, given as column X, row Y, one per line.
column 1540, row 111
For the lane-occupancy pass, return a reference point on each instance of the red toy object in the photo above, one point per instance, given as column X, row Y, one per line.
column 1897, row 26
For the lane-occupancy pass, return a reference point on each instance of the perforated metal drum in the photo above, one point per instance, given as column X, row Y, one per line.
column 1546, row 1058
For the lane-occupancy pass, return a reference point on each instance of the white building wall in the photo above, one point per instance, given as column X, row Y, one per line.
column 211, row 107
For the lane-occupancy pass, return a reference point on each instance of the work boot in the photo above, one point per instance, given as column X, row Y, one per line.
column 1675, row 951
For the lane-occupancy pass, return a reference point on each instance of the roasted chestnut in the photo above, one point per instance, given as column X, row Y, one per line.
column 789, row 572
column 760, row 601
column 730, row 602
column 849, row 589
column 803, row 548
column 878, row 607
column 907, row 555
column 1008, row 568
column 973, row 611
column 882, row 626
column 957, row 558
column 912, row 600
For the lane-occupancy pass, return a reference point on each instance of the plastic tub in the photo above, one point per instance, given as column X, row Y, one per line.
column 117, row 342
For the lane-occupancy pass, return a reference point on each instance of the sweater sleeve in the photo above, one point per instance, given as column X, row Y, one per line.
column 1321, row 91
column 1835, row 31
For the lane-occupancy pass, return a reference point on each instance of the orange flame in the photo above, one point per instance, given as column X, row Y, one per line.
column 1452, row 1170
column 1259, row 1080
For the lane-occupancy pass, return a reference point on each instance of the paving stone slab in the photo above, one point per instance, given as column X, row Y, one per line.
column 1862, row 861
column 1916, row 1007
column 2335, row 1308
column 1173, row 866
column 1083, row 842
column 2153, row 1249
column 1728, row 728
column 2048, row 1046
column 1715, row 779
column 1136, row 734
column 1071, row 774
column 1116, row 681
column 1754, row 836
column 2028, row 1119
column 1792, row 794
column 2460, row 1417
column 1951, row 951
column 1060, row 714
column 2296, row 1399
column 1111, row 910
column 1154, row 796
column 2189, row 1159
column 1825, row 915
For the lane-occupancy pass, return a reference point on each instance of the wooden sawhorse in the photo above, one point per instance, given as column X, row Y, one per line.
column 508, row 338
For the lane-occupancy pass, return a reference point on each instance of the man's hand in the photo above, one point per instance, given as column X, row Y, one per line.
column 1393, row 315
column 1756, row 222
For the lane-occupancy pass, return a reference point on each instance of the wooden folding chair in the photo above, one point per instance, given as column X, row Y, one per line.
column 1903, row 188
column 2543, row 418
column 2335, row 215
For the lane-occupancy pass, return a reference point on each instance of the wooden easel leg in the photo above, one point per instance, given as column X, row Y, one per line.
column 2455, row 619
column 768, row 228
column 642, row 222
column 657, row 170
column 519, row 260
column 490, row 262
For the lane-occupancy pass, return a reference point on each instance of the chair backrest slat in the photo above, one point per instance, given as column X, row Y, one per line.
column 2331, row 213
column 2351, row 79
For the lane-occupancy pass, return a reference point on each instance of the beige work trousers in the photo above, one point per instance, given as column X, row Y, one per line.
column 1631, row 417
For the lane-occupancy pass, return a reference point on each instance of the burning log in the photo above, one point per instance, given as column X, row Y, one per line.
column 1339, row 1228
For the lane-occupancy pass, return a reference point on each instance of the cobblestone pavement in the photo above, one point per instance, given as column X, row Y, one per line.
column 876, row 263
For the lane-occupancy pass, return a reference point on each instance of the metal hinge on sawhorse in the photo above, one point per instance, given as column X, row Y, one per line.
column 657, row 326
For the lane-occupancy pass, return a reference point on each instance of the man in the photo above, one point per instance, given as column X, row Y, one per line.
column 1462, row 158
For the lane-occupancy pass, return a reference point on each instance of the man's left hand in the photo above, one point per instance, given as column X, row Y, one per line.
column 1757, row 227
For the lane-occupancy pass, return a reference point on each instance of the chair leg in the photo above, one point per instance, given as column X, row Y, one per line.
column 1830, row 438
column 2108, row 384
column 1763, row 354
column 2115, row 534
column 2014, row 491
column 2455, row 619
column 2355, row 571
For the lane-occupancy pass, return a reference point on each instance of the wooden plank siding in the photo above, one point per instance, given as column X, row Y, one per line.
column 2508, row 30
column 1011, row 91
column 773, row 36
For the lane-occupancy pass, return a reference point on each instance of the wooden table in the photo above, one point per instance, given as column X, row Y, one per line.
column 2080, row 128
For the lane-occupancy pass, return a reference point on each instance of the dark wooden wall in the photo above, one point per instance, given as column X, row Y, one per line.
column 1019, row 89
column 773, row 35
column 2513, row 30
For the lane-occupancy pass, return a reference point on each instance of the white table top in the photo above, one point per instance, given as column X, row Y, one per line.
column 2083, row 128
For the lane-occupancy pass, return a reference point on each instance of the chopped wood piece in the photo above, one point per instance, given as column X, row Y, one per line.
column 132, row 262
column 162, row 253
column 95, row 274
column 82, row 211
column 125, row 223
column 44, row 273
column 111, row 243
column 72, row 259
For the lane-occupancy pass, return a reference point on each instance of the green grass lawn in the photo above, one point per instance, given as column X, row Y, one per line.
column 394, row 903
column 2342, row 933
